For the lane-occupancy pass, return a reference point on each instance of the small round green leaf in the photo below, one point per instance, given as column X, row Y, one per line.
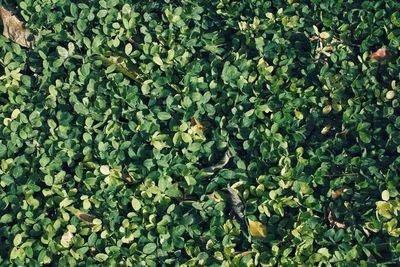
column 149, row 248
column 164, row 116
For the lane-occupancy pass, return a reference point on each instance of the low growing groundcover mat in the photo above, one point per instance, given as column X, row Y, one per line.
column 199, row 133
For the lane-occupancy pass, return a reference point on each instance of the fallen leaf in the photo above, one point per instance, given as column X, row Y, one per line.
column 128, row 178
column 334, row 223
column 257, row 229
column 15, row 30
column 381, row 54
column 84, row 217
column 196, row 125
column 236, row 202
column 126, row 69
column 337, row 193
column 210, row 170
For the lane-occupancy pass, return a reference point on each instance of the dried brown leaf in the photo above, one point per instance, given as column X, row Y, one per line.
column 196, row 124
column 15, row 30
column 334, row 223
column 337, row 193
column 381, row 54
column 128, row 178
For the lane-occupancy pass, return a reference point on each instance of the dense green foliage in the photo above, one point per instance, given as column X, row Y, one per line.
column 99, row 142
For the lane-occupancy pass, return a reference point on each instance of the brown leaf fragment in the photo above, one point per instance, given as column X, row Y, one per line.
column 337, row 193
column 196, row 124
column 15, row 30
column 334, row 223
column 85, row 218
column 381, row 54
column 128, row 178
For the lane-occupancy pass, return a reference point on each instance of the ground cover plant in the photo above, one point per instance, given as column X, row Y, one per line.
column 199, row 133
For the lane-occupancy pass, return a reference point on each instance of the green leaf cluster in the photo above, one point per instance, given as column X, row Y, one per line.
column 108, row 125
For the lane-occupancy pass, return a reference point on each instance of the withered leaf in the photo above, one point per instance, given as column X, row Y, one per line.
column 15, row 30
column 236, row 202
column 121, row 66
column 257, row 229
column 196, row 124
column 210, row 170
column 84, row 217
column 334, row 223
column 381, row 54
column 128, row 178
column 337, row 193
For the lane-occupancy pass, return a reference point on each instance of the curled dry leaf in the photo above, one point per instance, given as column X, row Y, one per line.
column 210, row 170
column 127, row 177
column 337, row 193
column 15, row 30
column 236, row 202
column 197, row 125
column 121, row 67
column 84, row 217
column 381, row 54
column 334, row 223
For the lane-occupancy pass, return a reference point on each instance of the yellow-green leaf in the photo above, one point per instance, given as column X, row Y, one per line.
column 257, row 229
column 17, row 240
column 324, row 35
column 136, row 204
column 385, row 195
column 104, row 169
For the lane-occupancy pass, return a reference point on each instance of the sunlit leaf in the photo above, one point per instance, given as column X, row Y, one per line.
column 257, row 229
